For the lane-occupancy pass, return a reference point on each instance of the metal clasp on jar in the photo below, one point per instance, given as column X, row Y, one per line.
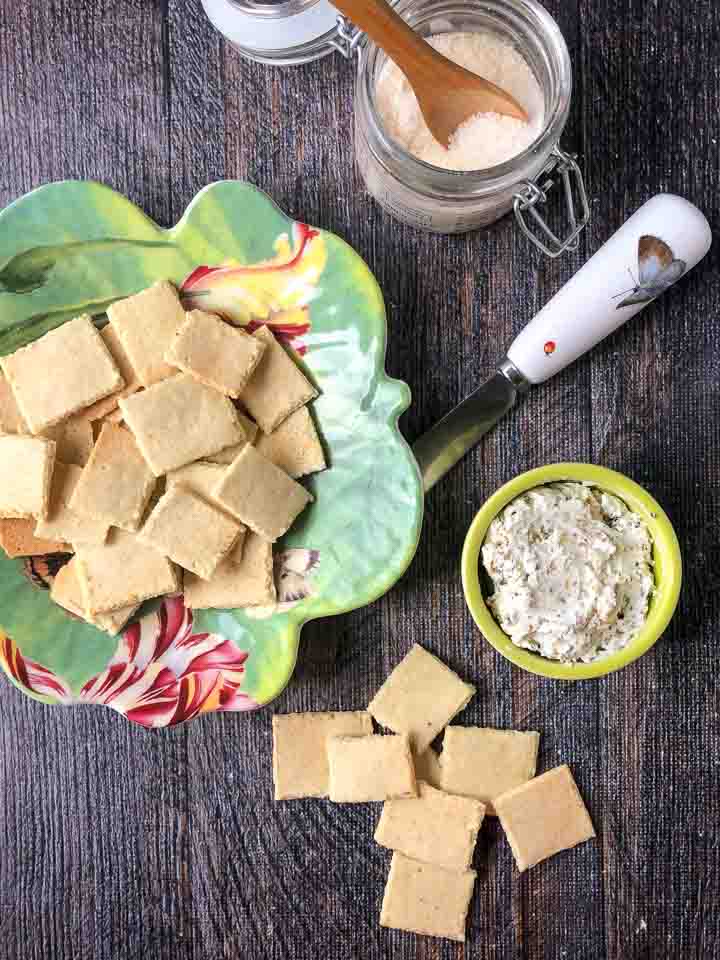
column 561, row 169
column 348, row 37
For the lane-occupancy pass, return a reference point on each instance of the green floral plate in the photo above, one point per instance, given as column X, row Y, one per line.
column 75, row 247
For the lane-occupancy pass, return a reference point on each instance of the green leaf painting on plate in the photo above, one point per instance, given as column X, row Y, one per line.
column 75, row 247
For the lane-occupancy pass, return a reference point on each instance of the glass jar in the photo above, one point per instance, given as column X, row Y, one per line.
column 455, row 201
column 289, row 32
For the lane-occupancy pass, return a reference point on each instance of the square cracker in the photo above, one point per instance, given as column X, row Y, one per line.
column 189, row 530
column 17, row 538
column 544, row 816
column 227, row 455
column 483, row 763
column 64, row 371
column 434, row 827
column 370, row 768
column 295, row 446
column 116, row 485
column 73, row 439
column 277, row 388
column 66, row 591
column 27, row 468
column 248, row 583
column 215, row 353
column 63, row 522
column 260, row 495
column 145, row 325
column 425, row 898
column 300, row 766
column 123, row 572
column 108, row 405
column 11, row 420
column 420, row 697
column 180, row 420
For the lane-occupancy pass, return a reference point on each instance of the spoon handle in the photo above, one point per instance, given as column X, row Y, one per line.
column 390, row 32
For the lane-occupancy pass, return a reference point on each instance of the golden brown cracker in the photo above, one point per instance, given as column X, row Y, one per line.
column 420, row 697
column 427, row 899
column 543, row 817
column 63, row 372
column 369, row 768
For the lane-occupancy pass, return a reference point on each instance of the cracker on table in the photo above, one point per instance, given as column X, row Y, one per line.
column 420, row 697
column 249, row 583
column 482, row 762
column 369, row 768
column 108, row 405
column 17, row 538
column 64, row 371
column 227, row 455
column 123, row 572
column 294, row 446
column 300, row 765
column 544, row 816
column 428, row 767
column 11, row 420
column 180, row 420
column 277, row 388
column 73, row 438
column 145, row 325
column 66, row 591
column 435, row 827
column 261, row 495
column 64, row 522
column 424, row 898
column 116, row 485
column 190, row 531
column 27, row 467
column 215, row 353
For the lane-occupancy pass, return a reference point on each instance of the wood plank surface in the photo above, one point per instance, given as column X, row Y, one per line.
column 122, row 844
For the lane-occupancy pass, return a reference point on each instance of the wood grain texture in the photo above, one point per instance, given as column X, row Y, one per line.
column 124, row 844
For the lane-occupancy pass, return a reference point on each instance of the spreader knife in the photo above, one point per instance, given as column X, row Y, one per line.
column 657, row 245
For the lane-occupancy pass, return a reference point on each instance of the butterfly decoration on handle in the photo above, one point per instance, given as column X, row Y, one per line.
column 657, row 270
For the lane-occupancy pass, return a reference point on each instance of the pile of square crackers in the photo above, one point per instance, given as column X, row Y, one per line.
column 165, row 445
column 433, row 806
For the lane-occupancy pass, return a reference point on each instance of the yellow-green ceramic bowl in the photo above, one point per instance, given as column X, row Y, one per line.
column 666, row 555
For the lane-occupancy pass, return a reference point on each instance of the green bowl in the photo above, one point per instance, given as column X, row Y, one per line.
column 75, row 247
column 666, row 556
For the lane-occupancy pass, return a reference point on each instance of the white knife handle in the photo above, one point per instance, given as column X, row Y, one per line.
column 588, row 308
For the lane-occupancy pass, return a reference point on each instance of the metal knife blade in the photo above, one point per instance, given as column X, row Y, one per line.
column 438, row 450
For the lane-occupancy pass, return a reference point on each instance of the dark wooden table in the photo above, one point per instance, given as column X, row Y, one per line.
column 119, row 843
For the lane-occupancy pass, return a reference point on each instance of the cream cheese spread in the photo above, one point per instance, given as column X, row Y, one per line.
column 571, row 568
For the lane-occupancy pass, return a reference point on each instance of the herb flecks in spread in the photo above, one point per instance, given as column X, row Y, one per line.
column 572, row 572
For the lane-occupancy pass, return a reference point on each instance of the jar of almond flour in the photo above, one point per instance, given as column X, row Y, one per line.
column 491, row 168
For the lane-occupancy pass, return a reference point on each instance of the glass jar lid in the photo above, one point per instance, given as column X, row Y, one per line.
column 282, row 32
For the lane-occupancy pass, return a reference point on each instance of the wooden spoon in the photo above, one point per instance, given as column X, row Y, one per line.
column 446, row 93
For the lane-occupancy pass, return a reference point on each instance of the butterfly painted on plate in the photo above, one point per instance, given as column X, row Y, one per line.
column 657, row 270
